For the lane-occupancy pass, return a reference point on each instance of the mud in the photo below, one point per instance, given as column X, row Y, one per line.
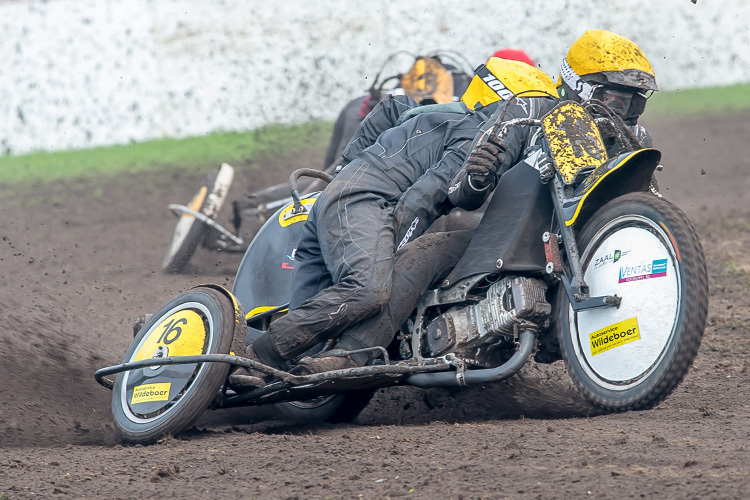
column 79, row 261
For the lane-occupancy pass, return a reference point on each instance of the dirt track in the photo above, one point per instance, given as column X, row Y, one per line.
column 79, row 262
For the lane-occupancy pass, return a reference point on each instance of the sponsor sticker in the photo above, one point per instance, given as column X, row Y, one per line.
column 493, row 82
column 654, row 269
column 612, row 336
column 290, row 256
column 151, row 392
column 610, row 258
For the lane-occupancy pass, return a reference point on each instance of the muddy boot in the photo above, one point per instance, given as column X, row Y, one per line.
column 240, row 382
column 248, row 378
column 324, row 362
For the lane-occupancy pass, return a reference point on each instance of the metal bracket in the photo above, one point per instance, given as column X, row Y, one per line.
column 582, row 303
column 569, row 240
column 460, row 365
column 183, row 210
column 552, row 253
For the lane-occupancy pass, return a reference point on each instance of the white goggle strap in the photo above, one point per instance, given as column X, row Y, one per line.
column 572, row 80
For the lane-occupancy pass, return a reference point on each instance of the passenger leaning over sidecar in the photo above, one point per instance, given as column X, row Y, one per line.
column 387, row 195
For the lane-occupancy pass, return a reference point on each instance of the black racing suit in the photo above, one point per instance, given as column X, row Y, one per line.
column 354, row 111
column 427, row 260
column 393, row 189
column 420, row 265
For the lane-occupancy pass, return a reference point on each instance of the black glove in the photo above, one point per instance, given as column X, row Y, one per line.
column 483, row 163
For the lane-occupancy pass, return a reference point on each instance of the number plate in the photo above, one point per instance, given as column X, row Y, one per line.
column 574, row 140
column 181, row 334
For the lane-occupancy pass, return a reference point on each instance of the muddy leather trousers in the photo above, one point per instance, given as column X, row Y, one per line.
column 344, row 264
column 419, row 266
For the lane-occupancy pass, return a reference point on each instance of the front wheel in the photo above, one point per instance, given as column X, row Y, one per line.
column 644, row 250
column 148, row 403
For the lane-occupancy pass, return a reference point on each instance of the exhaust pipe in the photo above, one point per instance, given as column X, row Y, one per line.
column 527, row 340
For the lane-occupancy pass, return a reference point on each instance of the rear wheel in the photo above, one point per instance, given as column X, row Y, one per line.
column 643, row 249
column 190, row 232
column 151, row 402
column 333, row 408
column 338, row 408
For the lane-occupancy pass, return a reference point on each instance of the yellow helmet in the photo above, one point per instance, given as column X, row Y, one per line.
column 603, row 62
column 501, row 79
column 428, row 82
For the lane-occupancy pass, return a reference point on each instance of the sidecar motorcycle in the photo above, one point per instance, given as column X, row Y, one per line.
column 575, row 258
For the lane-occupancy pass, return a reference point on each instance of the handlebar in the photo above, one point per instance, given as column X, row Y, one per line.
column 505, row 127
column 304, row 172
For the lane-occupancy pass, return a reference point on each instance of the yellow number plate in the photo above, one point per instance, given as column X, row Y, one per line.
column 574, row 140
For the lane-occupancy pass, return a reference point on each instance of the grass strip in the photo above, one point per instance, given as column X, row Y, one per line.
column 676, row 104
column 189, row 153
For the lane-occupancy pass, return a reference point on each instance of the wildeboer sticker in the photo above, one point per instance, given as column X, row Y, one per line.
column 151, row 392
column 612, row 336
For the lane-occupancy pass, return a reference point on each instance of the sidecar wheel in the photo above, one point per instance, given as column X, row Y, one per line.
column 643, row 249
column 151, row 402
column 336, row 409
column 190, row 232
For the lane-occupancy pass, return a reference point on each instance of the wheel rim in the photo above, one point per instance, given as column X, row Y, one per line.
column 632, row 257
column 151, row 393
column 184, row 225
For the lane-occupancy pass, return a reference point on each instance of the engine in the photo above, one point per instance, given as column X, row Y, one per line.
column 472, row 331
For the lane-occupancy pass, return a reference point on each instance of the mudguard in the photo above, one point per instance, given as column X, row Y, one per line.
column 264, row 278
column 625, row 173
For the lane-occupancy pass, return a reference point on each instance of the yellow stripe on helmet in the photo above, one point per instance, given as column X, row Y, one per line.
column 500, row 79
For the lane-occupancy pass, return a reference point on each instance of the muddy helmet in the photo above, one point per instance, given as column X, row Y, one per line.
column 428, row 81
column 605, row 67
column 501, row 79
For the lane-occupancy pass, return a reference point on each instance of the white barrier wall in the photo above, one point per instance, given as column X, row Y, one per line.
column 83, row 73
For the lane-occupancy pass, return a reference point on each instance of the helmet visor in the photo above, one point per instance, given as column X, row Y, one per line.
column 628, row 104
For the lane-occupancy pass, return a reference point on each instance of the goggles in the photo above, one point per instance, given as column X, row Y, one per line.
column 625, row 103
